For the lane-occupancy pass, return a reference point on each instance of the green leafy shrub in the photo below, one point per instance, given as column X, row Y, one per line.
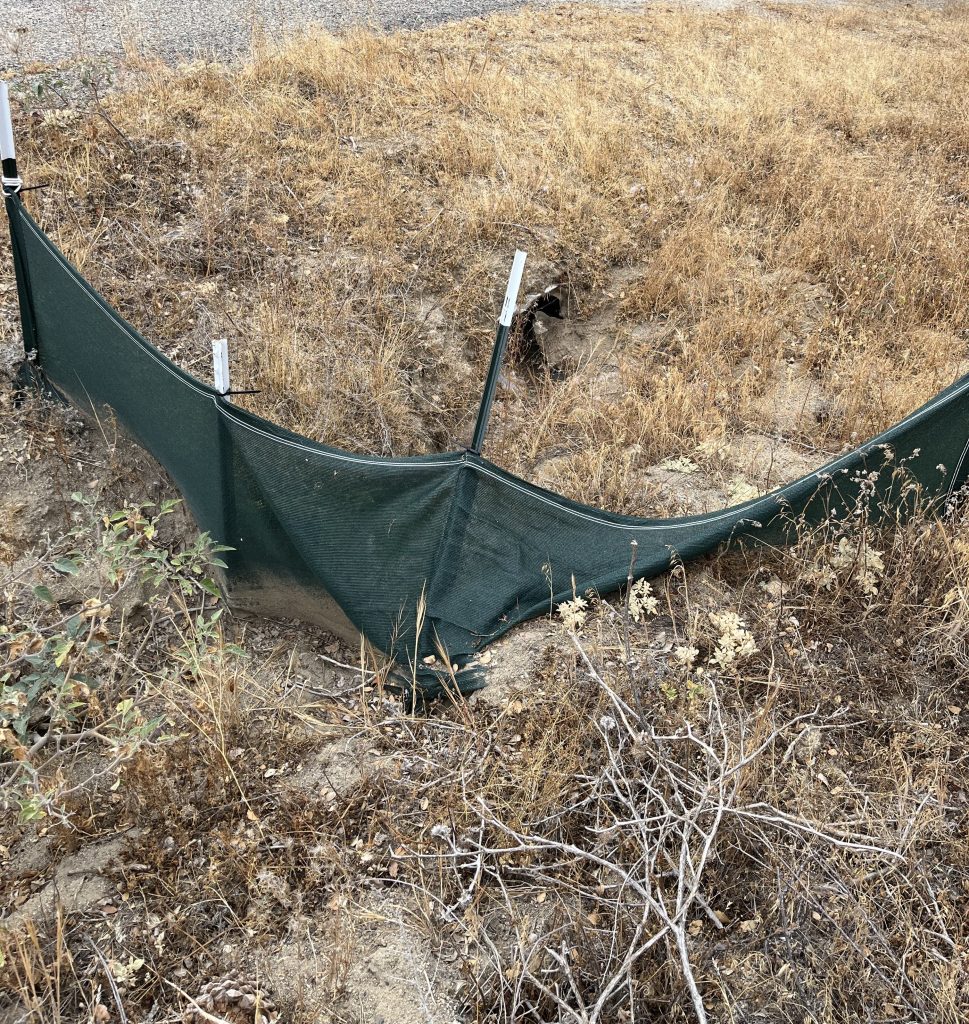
column 69, row 651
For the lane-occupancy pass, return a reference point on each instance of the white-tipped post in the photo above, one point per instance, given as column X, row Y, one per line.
column 498, row 352
column 220, row 365
column 511, row 292
column 8, row 151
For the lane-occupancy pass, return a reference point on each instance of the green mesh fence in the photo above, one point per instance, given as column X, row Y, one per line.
column 433, row 553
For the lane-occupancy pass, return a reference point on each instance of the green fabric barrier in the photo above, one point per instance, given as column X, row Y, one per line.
column 317, row 532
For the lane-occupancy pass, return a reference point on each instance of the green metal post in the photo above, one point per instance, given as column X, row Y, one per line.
column 498, row 352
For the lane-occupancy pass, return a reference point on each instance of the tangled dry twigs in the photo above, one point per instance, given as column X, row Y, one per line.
column 633, row 851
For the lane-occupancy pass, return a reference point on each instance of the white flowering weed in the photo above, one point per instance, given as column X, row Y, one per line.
column 642, row 601
column 735, row 642
column 574, row 613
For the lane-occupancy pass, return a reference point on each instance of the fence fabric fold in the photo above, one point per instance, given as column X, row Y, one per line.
column 434, row 554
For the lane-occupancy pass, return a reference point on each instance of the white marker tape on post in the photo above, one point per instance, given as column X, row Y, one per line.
column 514, row 283
column 8, row 151
column 220, row 365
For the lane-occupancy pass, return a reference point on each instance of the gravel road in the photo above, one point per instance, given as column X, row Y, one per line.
column 59, row 29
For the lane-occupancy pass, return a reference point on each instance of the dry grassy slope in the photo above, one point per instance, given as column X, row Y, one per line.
column 763, row 212
column 762, row 215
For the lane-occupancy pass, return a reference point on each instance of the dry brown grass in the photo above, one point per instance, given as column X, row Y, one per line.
column 834, row 887
column 766, row 212
column 782, row 192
